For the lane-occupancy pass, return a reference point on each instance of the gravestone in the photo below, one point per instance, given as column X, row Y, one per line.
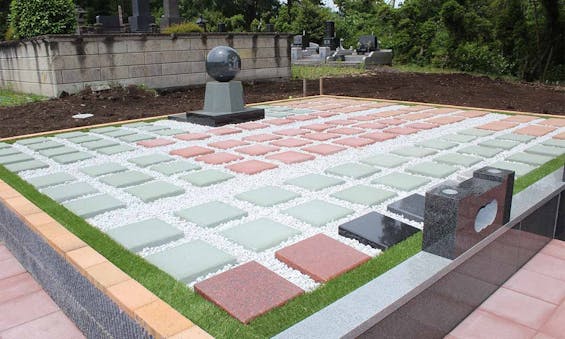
column 223, row 101
column 109, row 23
column 171, row 13
column 458, row 216
column 141, row 18
column 330, row 40
column 301, row 41
column 367, row 43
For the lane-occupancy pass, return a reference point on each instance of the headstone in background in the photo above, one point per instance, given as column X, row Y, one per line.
column 171, row 13
column 109, row 23
column 141, row 19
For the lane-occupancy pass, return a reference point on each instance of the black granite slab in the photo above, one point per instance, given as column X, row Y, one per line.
column 220, row 119
column 377, row 230
column 411, row 207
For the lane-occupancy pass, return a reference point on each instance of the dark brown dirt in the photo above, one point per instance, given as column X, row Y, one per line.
column 131, row 103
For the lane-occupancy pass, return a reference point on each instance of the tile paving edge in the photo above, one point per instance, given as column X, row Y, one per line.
column 53, row 237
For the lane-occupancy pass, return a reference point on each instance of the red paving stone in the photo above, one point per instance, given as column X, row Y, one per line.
column 219, row 158
column 321, row 136
column 439, row 111
column 560, row 136
column 192, row 136
column 262, row 137
column 388, row 114
column 16, row 286
column 321, row 257
column 291, row 132
column 362, row 118
column 498, row 125
column 401, row 130
column 10, row 267
column 317, row 127
column 259, row 290
column 227, row 144
column 445, row 120
column 370, row 125
column 391, row 122
column 520, row 118
column 24, row 309
column 379, row 136
column 346, row 131
column 354, row 142
column 224, row 131
column 535, row 130
column 554, row 122
column 251, row 167
column 155, row 143
column 302, row 117
column 555, row 325
column 257, row 149
column 252, row 126
column 53, row 326
column 291, row 157
column 324, row 149
column 421, row 125
column 417, row 108
column 549, row 265
column 327, row 114
column 291, row 142
column 279, row 122
column 418, row 116
column 341, row 122
column 537, row 285
column 192, row 151
column 472, row 114
column 482, row 324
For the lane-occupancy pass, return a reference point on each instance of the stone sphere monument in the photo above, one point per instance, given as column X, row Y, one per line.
column 223, row 63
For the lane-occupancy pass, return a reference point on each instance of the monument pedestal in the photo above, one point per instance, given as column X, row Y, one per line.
column 223, row 104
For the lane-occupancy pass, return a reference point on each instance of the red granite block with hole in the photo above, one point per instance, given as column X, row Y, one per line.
column 324, row 149
column 291, row 157
column 262, row 137
column 421, row 125
column 218, row 158
column 257, row 149
column 291, row 132
column 227, row 144
column 321, row 136
column 401, row 130
column 346, row 131
column 155, row 143
column 224, row 131
column 472, row 114
column 535, row 130
column 498, row 125
column 192, row 136
column 379, row 136
column 445, row 120
column 370, row 125
column 252, row 126
column 279, row 122
column 317, row 127
column 248, row 291
column 192, row 151
column 354, row 142
column 291, row 142
column 251, row 167
column 321, row 257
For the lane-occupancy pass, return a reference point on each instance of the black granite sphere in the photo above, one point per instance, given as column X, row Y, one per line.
column 223, row 63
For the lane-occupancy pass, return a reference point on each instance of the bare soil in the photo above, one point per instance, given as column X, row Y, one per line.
column 132, row 103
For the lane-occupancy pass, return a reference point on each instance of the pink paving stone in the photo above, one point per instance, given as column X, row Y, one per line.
column 291, row 157
column 340, row 122
column 17, row 286
column 321, row 136
column 346, row 130
column 291, row 132
column 438, row 111
column 370, row 125
column 291, row 142
column 418, row 116
column 24, row 309
column 555, row 326
column 391, row 122
column 520, row 118
column 302, row 117
column 388, row 114
column 555, row 122
column 218, row 158
column 224, row 131
column 192, row 136
column 401, row 130
column 560, row 136
column 252, row 126
column 10, row 267
column 321, row 257
column 279, row 122
column 377, row 104
column 498, row 125
column 472, row 114
column 379, row 136
column 417, row 108
column 4, row 253
column 481, row 324
column 257, row 149
column 262, row 137
column 259, row 290
column 227, row 144
column 446, row 120
column 52, row 326
column 251, row 167
column 155, row 143
column 535, row 130
column 317, row 127
column 326, row 114
column 537, row 285
column 324, row 149
column 354, row 142
column 421, row 125
column 192, row 151
column 362, row 118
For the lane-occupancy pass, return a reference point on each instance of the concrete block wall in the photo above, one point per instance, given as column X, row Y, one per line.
column 51, row 65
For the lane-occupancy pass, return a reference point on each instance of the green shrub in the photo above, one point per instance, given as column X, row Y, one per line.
column 31, row 18
column 476, row 57
column 187, row 27
column 9, row 35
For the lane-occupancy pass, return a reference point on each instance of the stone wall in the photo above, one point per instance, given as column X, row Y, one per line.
column 50, row 65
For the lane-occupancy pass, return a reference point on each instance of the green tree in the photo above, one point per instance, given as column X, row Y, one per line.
column 31, row 18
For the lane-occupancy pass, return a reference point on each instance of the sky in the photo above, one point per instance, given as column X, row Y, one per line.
column 330, row 3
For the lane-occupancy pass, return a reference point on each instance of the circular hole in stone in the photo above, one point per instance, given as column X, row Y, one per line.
column 449, row 191
column 494, row 171
column 486, row 215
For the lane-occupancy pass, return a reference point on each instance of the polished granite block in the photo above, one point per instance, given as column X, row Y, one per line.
column 385, row 160
column 259, row 235
column 51, row 179
column 377, row 230
column 364, row 195
column 314, row 182
column 267, row 196
column 147, row 233
column 410, row 207
column 458, row 216
column 220, row 119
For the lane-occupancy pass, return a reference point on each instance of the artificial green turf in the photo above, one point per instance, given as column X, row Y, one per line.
column 540, row 172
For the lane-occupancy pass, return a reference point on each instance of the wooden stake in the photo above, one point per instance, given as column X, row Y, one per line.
column 321, row 86
column 304, row 88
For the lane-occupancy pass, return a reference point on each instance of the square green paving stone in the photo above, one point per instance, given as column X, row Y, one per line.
column 516, row 137
column 58, row 151
column 136, row 124
column 497, row 143
column 520, row 169
column 51, row 179
column 191, row 260
column 476, row 132
column 206, row 177
column 121, row 132
column 8, row 151
column 485, row 152
column 14, row 158
column 72, row 157
column 103, row 130
column 152, row 128
column 26, row 166
column 317, row 212
column 385, row 160
column 155, row 190
column 32, row 141
column 125, row 179
column 93, row 206
column 461, row 138
column 432, row 169
column 211, row 214
column 147, row 233
column 438, row 144
column 364, row 195
column 170, row 131
column 353, row 170
column 554, row 143
column 458, row 159
column 314, row 182
column 69, row 191
column 115, row 149
column 84, row 139
column 174, row 167
column 281, row 114
column 70, row 135
column 151, row 159
column 260, row 234
column 530, row 159
column 136, row 137
column 545, row 150
column 414, row 152
column 4, row 145
column 44, row 145
column 402, row 181
column 94, row 145
column 267, row 196
column 100, row 170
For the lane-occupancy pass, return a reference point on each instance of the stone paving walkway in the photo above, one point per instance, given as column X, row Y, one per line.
column 531, row 304
column 26, row 311
column 197, row 201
